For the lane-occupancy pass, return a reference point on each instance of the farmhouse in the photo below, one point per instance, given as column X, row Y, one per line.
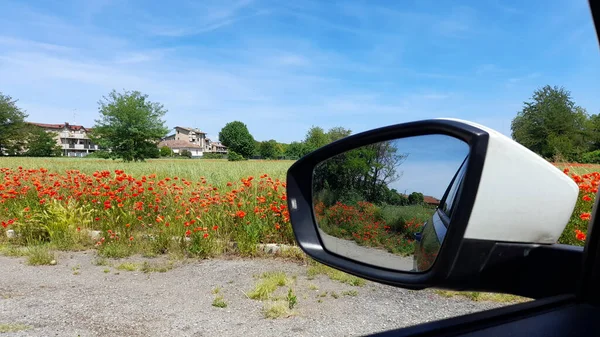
column 73, row 139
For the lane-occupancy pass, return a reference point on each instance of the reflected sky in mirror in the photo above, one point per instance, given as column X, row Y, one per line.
column 431, row 162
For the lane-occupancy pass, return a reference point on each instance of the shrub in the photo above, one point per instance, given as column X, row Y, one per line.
column 234, row 156
column 212, row 155
column 166, row 151
column 591, row 157
column 102, row 154
column 185, row 153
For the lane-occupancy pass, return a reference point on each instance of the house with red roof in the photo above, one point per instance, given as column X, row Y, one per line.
column 73, row 139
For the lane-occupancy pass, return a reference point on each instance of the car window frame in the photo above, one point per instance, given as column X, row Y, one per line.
column 453, row 183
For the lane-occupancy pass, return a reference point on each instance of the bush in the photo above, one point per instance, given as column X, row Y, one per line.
column 185, row 153
column 234, row 156
column 211, row 155
column 103, row 154
column 166, row 151
column 591, row 157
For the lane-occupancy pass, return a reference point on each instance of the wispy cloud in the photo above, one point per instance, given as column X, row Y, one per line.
column 281, row 67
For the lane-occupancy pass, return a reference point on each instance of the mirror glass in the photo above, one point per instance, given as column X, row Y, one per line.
column 388, row 204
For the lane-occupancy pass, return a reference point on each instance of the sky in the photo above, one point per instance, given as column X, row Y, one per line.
column 283, row 66
column 430, row 164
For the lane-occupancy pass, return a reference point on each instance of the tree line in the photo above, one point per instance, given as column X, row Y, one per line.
column 552, row 125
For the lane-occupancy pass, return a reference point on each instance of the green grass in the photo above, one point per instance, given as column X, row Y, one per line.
column 482, row 296
column 350, row 293
column 13, row 251
column 128, row 266
column 334, row 274
column 156, row 267
column 219, row 302
column 276, row 309
column 394, row 215
column 13, row 327
column 269, row 282
column 40, row 255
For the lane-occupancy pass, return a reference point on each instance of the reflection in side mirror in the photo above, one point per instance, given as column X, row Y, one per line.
column 370, row 203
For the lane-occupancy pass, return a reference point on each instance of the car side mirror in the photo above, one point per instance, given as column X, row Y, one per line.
column 359, row 204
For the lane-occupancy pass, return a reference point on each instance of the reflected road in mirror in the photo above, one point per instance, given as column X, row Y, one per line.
column 371, row 202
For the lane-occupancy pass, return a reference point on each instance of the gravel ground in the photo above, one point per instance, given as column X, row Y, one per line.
column 78, row 298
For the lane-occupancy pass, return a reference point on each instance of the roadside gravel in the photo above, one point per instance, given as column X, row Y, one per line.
column 78, row 298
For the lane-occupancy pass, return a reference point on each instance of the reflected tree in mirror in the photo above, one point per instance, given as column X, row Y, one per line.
column 371, row 202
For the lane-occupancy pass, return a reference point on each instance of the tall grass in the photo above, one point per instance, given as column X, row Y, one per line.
column 217, row 171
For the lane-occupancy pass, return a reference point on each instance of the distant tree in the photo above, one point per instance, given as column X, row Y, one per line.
column 270, row 149
column 166, row 151
column 315, row 138
column 237, row 138
column 416, row 198
column 365, row 172
column 552, row 125
column 337, row 133
column 12, row 121
column 41, row 143
column 185, row 153
column 294, row 150
column 130, row 125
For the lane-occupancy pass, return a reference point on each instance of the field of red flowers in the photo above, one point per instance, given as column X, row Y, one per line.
column 146, row 214
column 42, row 206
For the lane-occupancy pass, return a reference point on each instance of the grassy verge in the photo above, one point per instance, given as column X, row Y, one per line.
column 334, row 274
column 482, row 296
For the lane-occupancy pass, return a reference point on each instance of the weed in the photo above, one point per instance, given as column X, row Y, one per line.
column 276, row 309
column 350, row 293
column 40, row 255
column 100, row 261
column 319, row 301
column 322, row 294
column 219, row 302
column 106, row 270
column 153, row 268
column 269, row 282
column 128, row 266
column 334, row 274
column 75, row 269
column 291, row 298
column 115, row 250
column 216, row 290
column 13, row 327
column 334, row 295
column 313, row 287
column 14, row 251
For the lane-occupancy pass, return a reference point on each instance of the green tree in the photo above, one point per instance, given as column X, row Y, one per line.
column 41, row 143
column 360, row 174
column 166, row 151
column 552, row 125
column 130, row 125
column 12, row 121
column 237, row 138
column 186, row 153
column 270, row 149
column 337, row 133
column 416, row 198
column 295, row 150
column 315, row 138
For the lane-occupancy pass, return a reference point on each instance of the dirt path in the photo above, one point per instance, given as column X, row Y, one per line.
column 78, row 298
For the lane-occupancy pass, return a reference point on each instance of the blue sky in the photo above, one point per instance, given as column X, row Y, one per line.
column 431, row 163
column 282, row 66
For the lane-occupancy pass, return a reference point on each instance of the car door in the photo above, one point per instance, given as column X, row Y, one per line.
column 434, row 230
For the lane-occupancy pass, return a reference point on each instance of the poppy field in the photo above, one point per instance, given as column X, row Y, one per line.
column 198, row 207
column 175, row 205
